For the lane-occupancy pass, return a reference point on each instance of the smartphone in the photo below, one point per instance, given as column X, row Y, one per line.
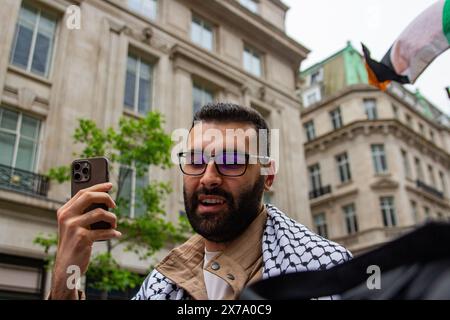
column 88, row 172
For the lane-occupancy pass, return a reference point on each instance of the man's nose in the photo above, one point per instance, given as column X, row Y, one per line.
column 211, row 178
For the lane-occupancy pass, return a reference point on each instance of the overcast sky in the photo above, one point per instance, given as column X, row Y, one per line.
column 325, row 26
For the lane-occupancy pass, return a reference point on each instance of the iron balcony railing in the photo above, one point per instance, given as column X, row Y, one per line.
column 23, row 181
column 319, row 192
column 422, row 185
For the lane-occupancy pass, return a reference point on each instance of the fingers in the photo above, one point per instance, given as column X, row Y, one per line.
column 86, row 199
column 97, row 215
column 107, row 234
column 101, row 187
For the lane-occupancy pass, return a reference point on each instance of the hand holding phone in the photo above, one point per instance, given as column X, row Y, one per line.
column 87, row 173
column 82, row 220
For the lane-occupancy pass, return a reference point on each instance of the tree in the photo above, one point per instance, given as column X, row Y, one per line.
column 135, row 145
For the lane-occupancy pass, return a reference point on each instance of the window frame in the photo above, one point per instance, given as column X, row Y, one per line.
column 315, row 177
column 405, row 162
column 18, row 136
column 336, row 118
column 310, row 130
column 140, row 59
column 370, row 108
column 351, row 219
column 378, row 158
column 255, row 54
column 153, row 16
column 343, row 166
column 204, row 88
column 321, row 228
column 51, row 15
column 387, row 205
column 204, row 24
column 133, row 195
column 245, row 4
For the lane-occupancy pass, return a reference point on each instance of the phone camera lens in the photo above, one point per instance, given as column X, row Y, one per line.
column 76, row 166
column 77, row 176
column 85, row 170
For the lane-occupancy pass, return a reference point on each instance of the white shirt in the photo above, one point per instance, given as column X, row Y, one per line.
column 216, row 287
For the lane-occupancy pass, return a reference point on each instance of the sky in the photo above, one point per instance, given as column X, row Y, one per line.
column 325, row 26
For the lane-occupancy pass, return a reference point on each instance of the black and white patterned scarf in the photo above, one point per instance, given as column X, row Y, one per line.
column 287, row 246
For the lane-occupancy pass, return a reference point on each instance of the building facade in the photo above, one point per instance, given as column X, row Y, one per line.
column 129, row 57
column 378, row 162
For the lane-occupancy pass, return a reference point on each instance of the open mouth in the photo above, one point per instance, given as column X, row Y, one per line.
column 210, row 203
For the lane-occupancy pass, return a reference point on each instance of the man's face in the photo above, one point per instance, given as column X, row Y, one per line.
column 219, row 207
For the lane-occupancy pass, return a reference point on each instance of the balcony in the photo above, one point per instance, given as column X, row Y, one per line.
column 23, row 181
column 422, row 185
column 319, row 192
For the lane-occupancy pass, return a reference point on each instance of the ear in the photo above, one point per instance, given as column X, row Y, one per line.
column 270, row 175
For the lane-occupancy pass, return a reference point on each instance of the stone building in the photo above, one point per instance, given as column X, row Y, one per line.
column 129, row 57
column 378, row 162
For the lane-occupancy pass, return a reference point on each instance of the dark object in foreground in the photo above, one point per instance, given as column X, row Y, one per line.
column 414, row 266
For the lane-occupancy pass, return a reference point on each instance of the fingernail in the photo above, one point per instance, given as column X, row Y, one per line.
column 118, row 233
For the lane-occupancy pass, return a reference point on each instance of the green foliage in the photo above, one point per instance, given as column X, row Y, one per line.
column 107, row 275
column 59, row 174
column 47, row 242
column 136, row 143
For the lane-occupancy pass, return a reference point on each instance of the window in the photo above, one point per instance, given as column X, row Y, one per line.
column 379, row 158
column 22, row 278
column 130, row 185
column 312, row 98
column 336, row 119
column 415, row 213
column 351, row 222
column 343, row 167
column 370, row 107
column 316, row 77
column 431, row 176
column 421, row 129
column 310, row 130
column 19, row 140
column 432, row 135
column 395, row 111
column 419, row 171
column 409, row 121
column 202, row 33
column 426, row 211
column 320, row 223
column 201, row 96
column 388, row 211
column 147, row 8
column 443, row 184
column 252, row 62
column 251, row 5
column 33, row 40
column 139, row 85
column 314, row 177
column 406, row 166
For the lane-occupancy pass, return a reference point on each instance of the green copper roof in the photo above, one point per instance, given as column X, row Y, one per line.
column 355, row 71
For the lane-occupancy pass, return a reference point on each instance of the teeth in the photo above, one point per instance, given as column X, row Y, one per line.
column 212, row 201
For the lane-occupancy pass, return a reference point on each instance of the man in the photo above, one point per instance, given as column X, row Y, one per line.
column 238, row 239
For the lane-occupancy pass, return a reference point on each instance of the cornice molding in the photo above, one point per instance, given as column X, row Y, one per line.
column 385, row 127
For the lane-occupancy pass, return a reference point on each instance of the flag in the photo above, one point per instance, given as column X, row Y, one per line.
column 425, row 38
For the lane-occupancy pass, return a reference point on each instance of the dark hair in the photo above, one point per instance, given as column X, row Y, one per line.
column 230, row 112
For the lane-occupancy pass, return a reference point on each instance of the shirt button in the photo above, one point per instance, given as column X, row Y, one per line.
column 230, row 276
column 215, row 266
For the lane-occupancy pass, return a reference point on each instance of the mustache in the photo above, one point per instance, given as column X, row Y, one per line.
column 212, row 192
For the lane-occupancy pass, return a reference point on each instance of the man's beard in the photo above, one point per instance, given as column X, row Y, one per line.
column 228, row 224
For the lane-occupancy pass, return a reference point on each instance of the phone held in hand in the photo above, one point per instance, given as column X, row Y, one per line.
column 88, row 172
